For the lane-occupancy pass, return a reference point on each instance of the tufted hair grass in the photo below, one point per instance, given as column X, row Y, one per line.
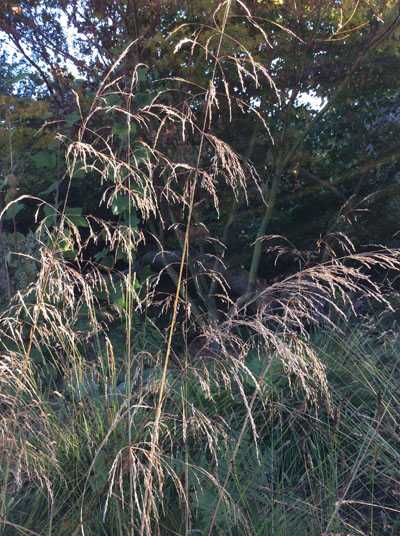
column 112, row 424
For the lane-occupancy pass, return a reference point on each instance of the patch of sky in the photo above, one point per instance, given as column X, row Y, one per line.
column 255, row 102
column 15, row 56
column 311, row 100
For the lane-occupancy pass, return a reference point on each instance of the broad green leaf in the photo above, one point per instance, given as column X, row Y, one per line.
column 74, row 117
column 20, row 238
column 108, row 261
column 73, row 211
column 79, row 173
column 142, row 74
column 70, row 254
column 51, row 188
column 100, row 255
column 122, row 302
column 142, row 154
column 10, row 213
column 112, row 100
column 49, row 210
column 36, row 355
column 21, row 76
column 74, row 215
column 120, row 130
column 120, row 204
column 131, row 221
column 143, row 99
column 49, row 370
column 78, row 221
column 121, row 255
column 45, row 159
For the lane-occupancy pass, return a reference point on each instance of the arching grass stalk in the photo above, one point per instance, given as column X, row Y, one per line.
column 145, row 525
column 130, row 289
column 27, row 349
column 237, row 446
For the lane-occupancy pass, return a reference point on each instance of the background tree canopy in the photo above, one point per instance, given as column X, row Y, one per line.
column 307, row 92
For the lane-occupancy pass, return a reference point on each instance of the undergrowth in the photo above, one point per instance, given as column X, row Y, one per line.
column 313, row 466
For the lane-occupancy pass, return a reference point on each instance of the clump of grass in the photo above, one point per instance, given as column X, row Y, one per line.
column 256, row 433
column 69, row 459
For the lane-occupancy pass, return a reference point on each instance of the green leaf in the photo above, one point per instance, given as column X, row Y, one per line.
column 17, row 78
column 65, row 244
column 49, row 210
column 51, row 188
column 120, row 130
column 21, row 76
column 131, row 221
column 72, row 211
column 10, row 213
column 100, row 255
column 112, row 100
column 20, row 239
column 111, row 174
column 120, row 204
column 79, row 173
column 143, row 99
column 44, row 159
column 49, row 370
column 74, row 117
column 74, row 216
column 142, row 74
column 78, row 221
column 122, row 302
column 142, row 154
column 70, row 254
column 133, row 128
column 108, row 261
column 36, row 355
column 121, row 255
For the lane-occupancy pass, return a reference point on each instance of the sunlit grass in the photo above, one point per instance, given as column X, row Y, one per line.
column 271, row 415
column 70, row 456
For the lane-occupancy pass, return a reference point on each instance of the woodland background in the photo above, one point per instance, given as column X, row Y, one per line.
column 199, row 247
